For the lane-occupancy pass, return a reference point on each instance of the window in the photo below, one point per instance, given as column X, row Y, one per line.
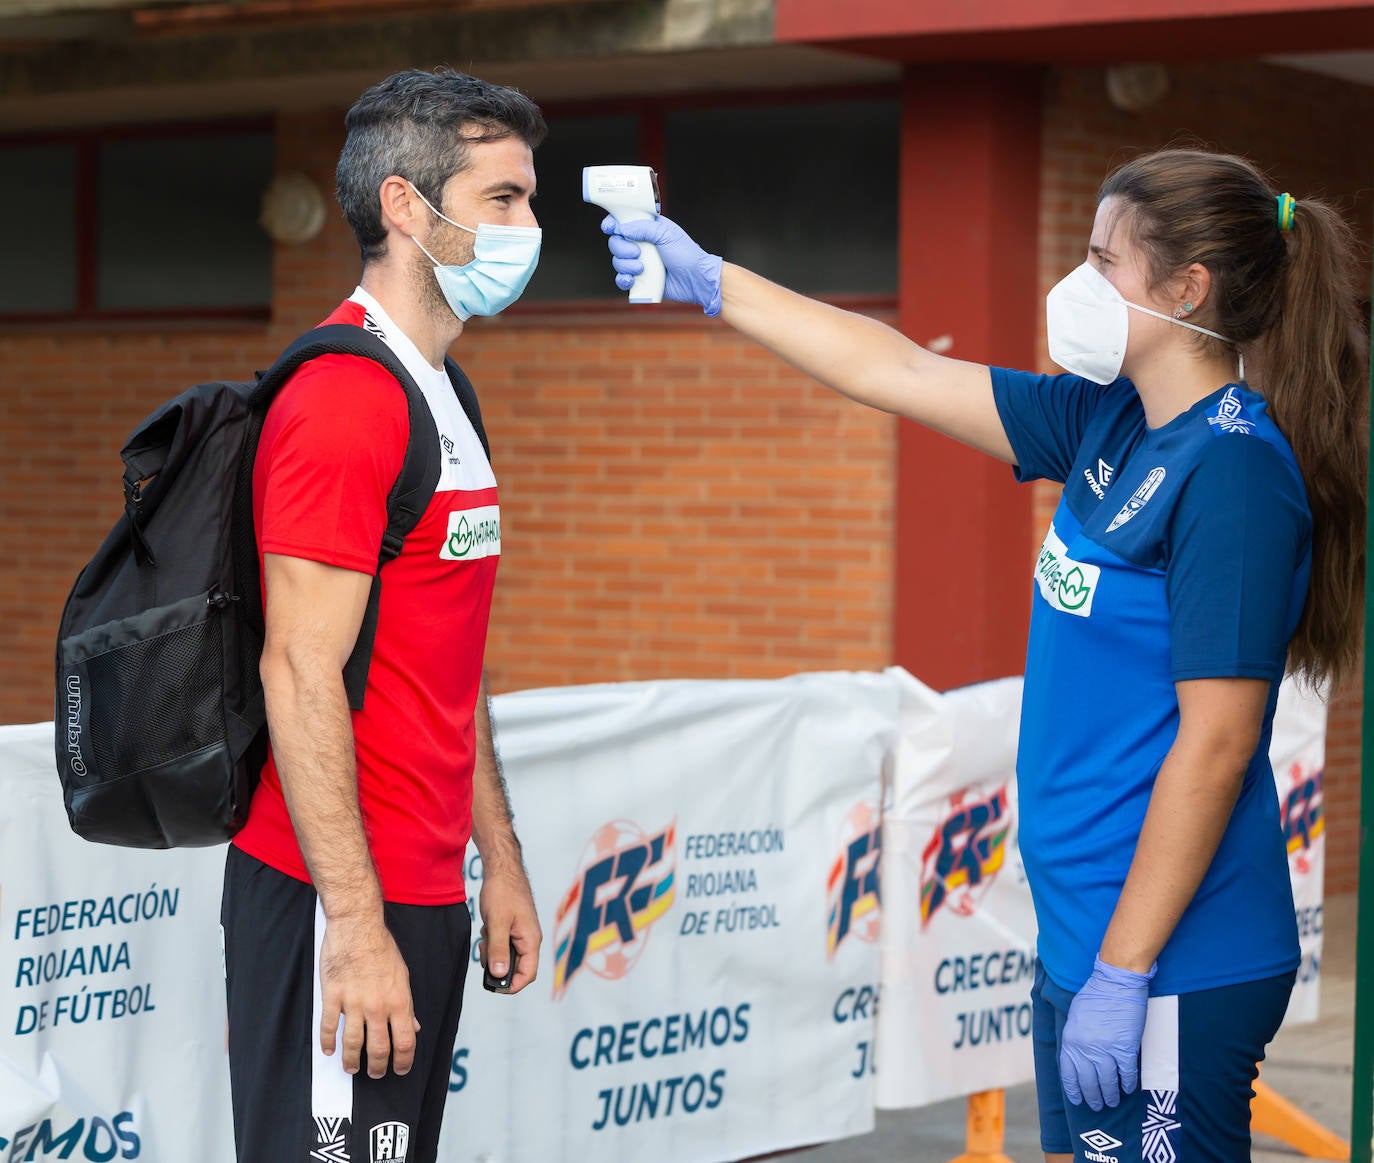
column 137, row 224
column 805, row 195
column 573, row 260
column 41, row 274
column 802, row 191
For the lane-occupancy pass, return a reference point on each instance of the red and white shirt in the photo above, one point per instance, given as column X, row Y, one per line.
column 331, row 448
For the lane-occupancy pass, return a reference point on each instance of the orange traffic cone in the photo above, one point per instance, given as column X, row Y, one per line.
column 986, row 1128
column 1272, row 1114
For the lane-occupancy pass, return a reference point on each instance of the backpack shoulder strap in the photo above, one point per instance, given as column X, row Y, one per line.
column 415, row 483
column 467, row 397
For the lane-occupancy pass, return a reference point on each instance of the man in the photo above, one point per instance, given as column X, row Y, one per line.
column 346, row 933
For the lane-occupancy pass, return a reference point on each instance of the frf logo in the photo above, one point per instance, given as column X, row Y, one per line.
column 1304, row 818
column 387, row 1142
column 623, row 885
column 852, row 888
column 965, row 852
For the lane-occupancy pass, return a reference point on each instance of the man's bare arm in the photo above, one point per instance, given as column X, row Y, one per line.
column 313, row 615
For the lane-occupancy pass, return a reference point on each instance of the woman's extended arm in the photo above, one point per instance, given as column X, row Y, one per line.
column 859, row 357
column 866, row 360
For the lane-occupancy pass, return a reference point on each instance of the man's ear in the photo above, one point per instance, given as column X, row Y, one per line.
column 401, row 209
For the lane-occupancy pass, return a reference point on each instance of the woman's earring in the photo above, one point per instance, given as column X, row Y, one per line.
column 1180, row 312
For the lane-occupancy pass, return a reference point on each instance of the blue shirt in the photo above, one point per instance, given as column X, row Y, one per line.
column 1179, row 552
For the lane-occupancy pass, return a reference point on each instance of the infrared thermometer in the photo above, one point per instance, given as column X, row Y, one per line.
column 628, row 193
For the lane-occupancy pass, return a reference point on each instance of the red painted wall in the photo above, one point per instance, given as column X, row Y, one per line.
column 969, row 233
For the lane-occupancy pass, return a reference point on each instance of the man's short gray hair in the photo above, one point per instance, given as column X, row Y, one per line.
column 419, row 124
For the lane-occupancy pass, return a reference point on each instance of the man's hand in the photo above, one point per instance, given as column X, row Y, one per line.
column 364, row 979
column 1102, row 1036
column 510, row 926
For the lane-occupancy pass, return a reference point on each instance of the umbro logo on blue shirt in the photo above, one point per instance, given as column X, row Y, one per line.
column 1102, row 480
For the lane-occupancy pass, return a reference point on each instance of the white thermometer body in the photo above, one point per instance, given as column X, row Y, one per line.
column 628, row 193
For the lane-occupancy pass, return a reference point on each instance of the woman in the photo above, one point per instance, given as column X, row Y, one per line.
column 1210, row 532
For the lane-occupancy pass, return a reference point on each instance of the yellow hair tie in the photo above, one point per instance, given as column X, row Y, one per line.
column 1287, row 208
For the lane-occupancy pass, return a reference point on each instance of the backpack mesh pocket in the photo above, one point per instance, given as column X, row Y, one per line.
column 153, row 687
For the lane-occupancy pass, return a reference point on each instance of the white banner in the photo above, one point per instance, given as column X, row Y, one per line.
column 958, row 943
column 1298, row 754
column 706, row 861
column 704, row 857
column 112, row 1027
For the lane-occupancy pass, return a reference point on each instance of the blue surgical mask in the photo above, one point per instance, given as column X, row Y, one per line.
column 504, row 258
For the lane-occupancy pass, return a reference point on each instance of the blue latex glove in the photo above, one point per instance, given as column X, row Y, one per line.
column 1102, row 1036
column 693, row 275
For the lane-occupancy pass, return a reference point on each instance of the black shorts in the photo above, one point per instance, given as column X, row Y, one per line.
column 292, row 1104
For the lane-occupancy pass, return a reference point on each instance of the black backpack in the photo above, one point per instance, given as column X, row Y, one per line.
column 160, row 727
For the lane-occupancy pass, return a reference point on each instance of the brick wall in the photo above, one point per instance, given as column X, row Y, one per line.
column 1297, row 127
column 70, row 399
column 676, row 502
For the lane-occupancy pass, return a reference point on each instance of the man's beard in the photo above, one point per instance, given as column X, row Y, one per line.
column 449, row 251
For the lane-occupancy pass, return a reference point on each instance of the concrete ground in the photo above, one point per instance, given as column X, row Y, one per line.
column 1310, row 1065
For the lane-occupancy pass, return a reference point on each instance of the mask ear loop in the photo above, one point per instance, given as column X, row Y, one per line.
column 426, row 253
column 439, row 213
column 425, row 250
column 450, row 221
column 1240, row 356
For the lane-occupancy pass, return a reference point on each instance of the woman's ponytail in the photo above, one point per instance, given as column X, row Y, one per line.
column 1314, row 372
